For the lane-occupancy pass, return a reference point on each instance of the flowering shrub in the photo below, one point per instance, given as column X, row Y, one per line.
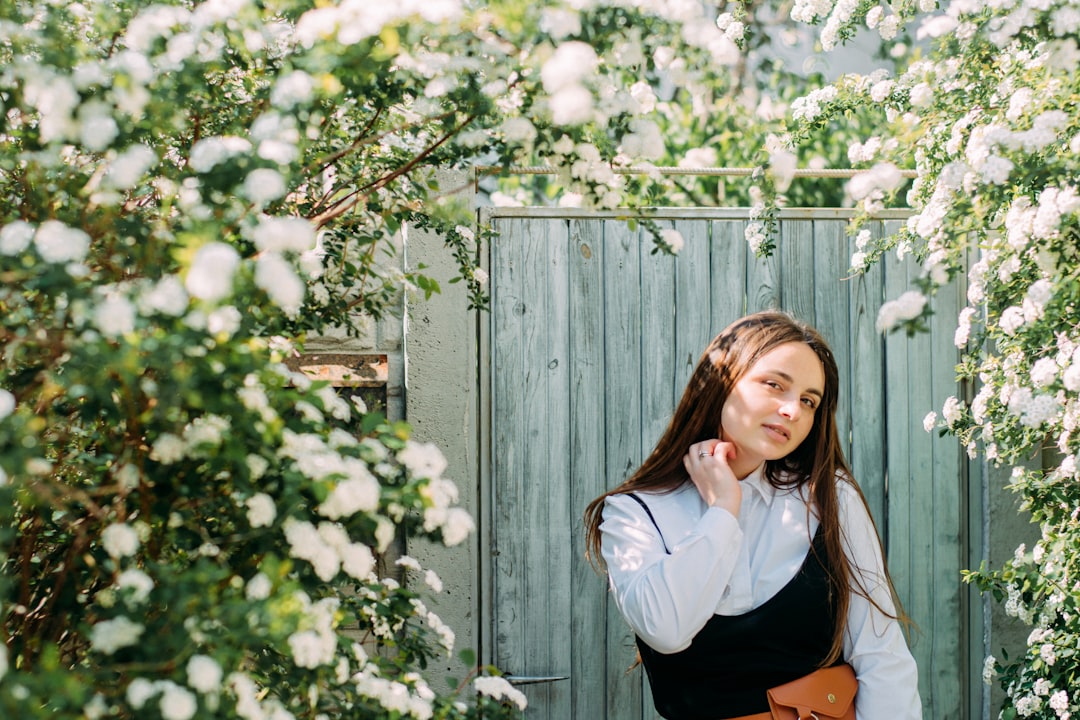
column 187, row 527
column 989, row 120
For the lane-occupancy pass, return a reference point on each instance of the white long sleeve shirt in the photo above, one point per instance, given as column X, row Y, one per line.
column 720, row 564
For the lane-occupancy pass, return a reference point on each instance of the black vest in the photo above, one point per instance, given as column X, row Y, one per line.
column 734, row 659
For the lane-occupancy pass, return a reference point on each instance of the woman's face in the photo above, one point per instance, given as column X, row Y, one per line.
column 770, row 410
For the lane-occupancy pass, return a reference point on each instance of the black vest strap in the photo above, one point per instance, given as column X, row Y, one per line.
column 734, row 659
column 652, row 519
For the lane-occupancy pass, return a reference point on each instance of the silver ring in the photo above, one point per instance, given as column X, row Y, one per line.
column 704, row 454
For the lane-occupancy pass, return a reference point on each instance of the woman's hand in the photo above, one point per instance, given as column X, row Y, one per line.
column 707, row 463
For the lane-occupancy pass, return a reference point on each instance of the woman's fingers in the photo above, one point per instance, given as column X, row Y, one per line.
column 707, row 464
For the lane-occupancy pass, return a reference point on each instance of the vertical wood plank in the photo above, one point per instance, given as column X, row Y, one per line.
column 551, row 579
column 945, row 591
column 588, row 609
column 866, row 400
column 727, row 274
column 658, row 372
column 830, row 312
column 763, row 278
column 796, row 261
column 656, row 290
column 533, row 541
column 910, row 475
column 693, row 329
column 622, row 432
column 508, row 464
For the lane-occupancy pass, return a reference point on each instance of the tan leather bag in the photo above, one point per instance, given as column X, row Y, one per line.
column 825, row 694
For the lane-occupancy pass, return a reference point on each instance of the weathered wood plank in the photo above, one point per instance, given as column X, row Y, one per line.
column 508, row 464
column 796, row 260
column 693, row 329
column 910, row 468
column 831, row 316
column 763, row 279
column 622, row 431
column 656, row 291
column 586, row 369
column 945, row 589
column 727, row 274
column 552, row 578
column 866, row 400
column 531, row 545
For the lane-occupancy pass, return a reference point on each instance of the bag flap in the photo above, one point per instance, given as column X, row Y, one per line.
column 829, row 692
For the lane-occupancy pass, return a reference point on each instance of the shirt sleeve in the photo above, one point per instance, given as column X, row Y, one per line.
column 667, row 598
column 874, row 643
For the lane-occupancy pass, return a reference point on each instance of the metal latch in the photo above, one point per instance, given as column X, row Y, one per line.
column 533, row 679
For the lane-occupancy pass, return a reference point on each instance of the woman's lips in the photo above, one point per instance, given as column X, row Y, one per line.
column 778, row 431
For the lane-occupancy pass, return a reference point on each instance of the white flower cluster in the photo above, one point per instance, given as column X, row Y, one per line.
column 352, row 21
column 252, row 702
column 870, row 186
column 329, row 549
column 54, row 241
column 175, row 702
column 108, row 636
column 396, row 696
column 906, row 307
column 564, row 76
column 499, row 688
column 673, row 239
column 808, row 106
column 138, row 583
column 445, row 633
column 315, row 643
column 755, row 236
column 589, row 168
column 1033, row 409
column 120, row 540
column 356, row 489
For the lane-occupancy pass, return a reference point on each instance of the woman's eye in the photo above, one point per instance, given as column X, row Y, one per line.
column 809, row 402
column 773, row 384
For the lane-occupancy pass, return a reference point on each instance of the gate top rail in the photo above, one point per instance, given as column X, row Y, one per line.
column 489, row 212
column 649, row 169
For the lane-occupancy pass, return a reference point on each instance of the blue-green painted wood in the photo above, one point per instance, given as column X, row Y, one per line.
column 588, row 624
column 632, row 324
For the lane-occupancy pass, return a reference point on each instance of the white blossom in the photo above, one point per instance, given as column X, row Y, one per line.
column 204, row 673
column 499, row 688
column 258, row 587
column 261, row 510
column 108, row 636
column 130, row 166
column 176, row 702
column 7, row 403
column 139, row 691
column 120, row 540
column 263, row 185
column 168, row 449
column 56, row 242
column 211, row 273
column 208, row 153
column 907, row 307
column 930, row 421
column 278, row 278
column 15, row 237
column 292, row 89
column 138, row 582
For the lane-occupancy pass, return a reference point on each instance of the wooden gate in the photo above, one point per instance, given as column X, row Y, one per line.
column 591, row 340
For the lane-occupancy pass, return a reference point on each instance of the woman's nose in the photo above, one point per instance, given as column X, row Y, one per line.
column 791, row 409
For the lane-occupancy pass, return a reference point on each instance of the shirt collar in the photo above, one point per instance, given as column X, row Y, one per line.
column 760, row 485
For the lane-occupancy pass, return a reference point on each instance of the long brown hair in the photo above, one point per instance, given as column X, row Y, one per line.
column 817, row 463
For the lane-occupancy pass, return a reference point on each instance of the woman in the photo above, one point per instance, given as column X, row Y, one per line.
column 742, row 552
